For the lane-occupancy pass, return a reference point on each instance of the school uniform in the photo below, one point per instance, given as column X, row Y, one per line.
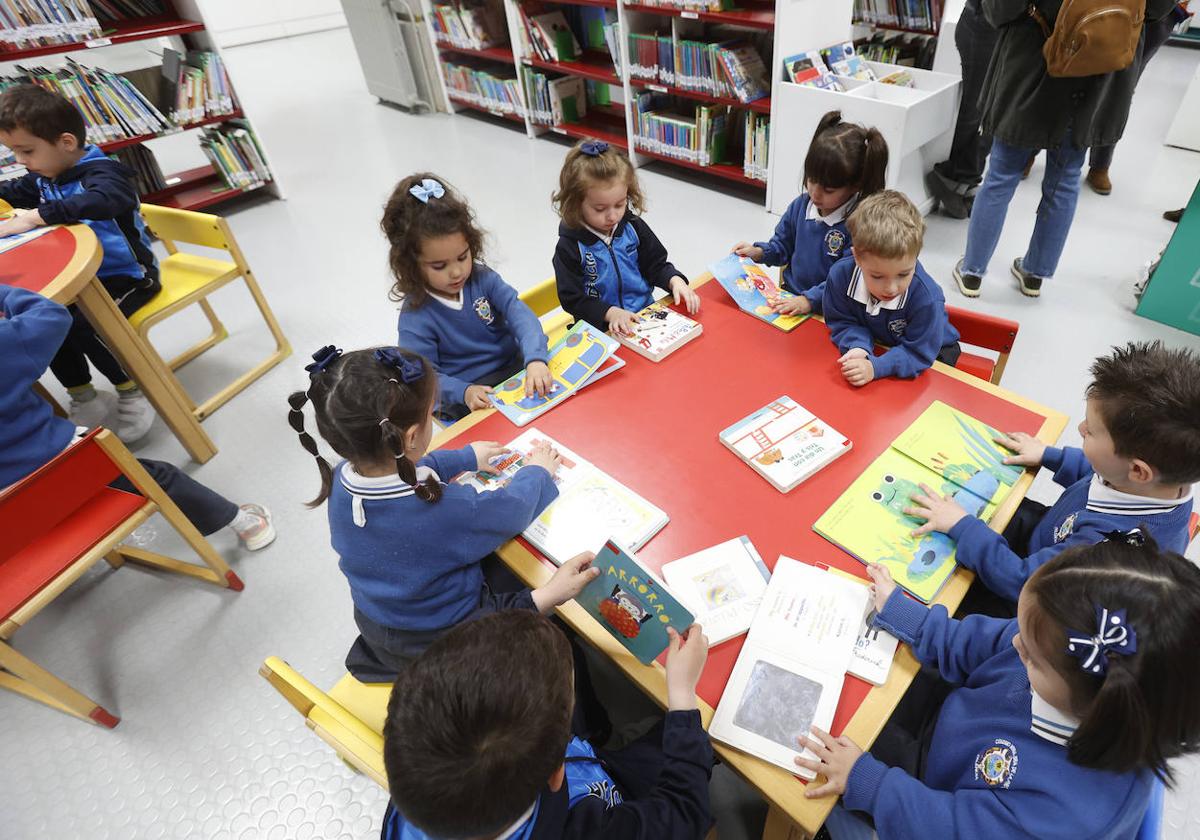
column 654, row 789
column 594, row 271
column 808, row 244
column 484, row 332
column 914, row 325
column 1087, row 510
column 997, row 763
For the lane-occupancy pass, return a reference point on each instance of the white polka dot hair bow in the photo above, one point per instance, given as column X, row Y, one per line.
column 1113, row 635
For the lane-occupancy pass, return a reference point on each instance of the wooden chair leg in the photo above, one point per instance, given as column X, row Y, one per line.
column 115, row 559
column 25, row 677
column 40, row 390
column 218, row 334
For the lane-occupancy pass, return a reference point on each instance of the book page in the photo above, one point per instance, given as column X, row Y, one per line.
column 722, row 586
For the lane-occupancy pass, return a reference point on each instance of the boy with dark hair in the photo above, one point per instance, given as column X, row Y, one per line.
column 68, row 181
column 1140, row 457
column 478, row 744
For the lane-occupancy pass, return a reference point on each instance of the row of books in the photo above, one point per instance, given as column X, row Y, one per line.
column 910, row 14
column 563, row 35
column 474, row 27
column 148, row 176
column 698, row 136
column 727, row 68
column 28, row 24
column 556, row 101
column 691, row 5
column 200, row 85
column 756, row 139
column 235, row 153
column 822, row 68
column 495, row 90
column 903, row 48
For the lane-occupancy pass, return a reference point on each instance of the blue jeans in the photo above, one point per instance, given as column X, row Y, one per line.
column 1060, row 193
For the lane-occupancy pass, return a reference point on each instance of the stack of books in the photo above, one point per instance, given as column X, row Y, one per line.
column 495, row 91
column 234, row 152
column 756, row 137
column 471, row 27
column 196, row 87
column 26, row 25
column 147, row 174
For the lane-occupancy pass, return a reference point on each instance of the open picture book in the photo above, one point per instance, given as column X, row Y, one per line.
column 754, row 290
column 722, row 585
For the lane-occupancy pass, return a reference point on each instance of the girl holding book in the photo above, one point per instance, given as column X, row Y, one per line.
column 608, row 260
column 845, row 163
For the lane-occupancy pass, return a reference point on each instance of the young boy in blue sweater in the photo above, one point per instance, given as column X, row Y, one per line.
column 883, row 295
column 1140, row 457
column 68, row 181
column 478, row 743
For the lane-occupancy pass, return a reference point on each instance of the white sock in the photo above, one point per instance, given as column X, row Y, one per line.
column 243, row 520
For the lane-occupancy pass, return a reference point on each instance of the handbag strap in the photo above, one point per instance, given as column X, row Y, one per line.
column 1034, row 12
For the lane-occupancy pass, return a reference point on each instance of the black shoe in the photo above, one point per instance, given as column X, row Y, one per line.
column 1173, row 215
column 968, row 284
column 950, row 194
column 1031, row 286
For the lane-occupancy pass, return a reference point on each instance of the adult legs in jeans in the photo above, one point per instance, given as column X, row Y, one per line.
column 991, row 205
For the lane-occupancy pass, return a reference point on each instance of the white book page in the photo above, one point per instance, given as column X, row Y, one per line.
column 722, row 586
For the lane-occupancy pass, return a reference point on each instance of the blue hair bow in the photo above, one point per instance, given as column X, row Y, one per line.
column 322, row 359
column 1113, row 635
column 594, row 148
column 1133, row 537
column 426, row 190
column 410, row 367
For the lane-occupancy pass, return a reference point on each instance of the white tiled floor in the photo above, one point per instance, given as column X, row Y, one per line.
column 205, row 748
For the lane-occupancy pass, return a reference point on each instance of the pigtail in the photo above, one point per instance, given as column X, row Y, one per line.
column 429, row 490
column 874, row 165
column 296, row 401
column 1096, row 741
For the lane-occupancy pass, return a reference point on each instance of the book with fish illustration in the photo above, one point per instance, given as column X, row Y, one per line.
column 754, row 290
column 660, row 332
column 784, row 442
column 722, row 586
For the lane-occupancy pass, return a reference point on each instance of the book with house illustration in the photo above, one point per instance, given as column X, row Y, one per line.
column 660, row 332
column 784, row 442
column 754, row 290
column 722, row 586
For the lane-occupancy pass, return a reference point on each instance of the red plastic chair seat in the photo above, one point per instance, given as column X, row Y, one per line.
column 979, row 366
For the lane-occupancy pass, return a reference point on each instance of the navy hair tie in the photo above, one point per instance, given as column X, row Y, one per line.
column 322, row 359
column 594, row 148
column 410, row 369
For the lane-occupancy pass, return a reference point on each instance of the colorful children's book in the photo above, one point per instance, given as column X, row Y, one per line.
column 753, row 290
column 808, row 68
column 579, row 358
column 784, row 442
column 553, row 29
column 660, row 332
column 722, row 586
column 874, row 649
column 631, row 604
column 789, row 674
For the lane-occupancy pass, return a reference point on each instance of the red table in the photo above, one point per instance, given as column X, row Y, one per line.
column 654, row 427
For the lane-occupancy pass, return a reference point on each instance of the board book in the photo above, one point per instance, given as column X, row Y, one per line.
column 631, row 604
column 581, row 357
column 875, row 648
column 789, row 674
column 784, row 442
column 753, row 290
column 660, row 332
column 722, row 586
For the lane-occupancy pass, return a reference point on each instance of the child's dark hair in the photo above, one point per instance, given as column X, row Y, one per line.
column 40, row 112
column 478, row 724
column 582, row 171
column 1142, row 711
column 408, row 221
column 364, row 401
column 1149, row 398
column 844, row 154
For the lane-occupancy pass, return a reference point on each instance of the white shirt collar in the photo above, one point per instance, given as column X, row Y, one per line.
column 519, row 824
column 1047, row 722
column 362, row 487
column 456, row 304
column 1103, row 498
column 838, row 215
column 857, row 290
column 606, row 238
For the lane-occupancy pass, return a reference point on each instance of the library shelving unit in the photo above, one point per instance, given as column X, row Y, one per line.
column 180, row 27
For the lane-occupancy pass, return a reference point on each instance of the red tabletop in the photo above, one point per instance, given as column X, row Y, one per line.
column 654, row 426
column 36, row 263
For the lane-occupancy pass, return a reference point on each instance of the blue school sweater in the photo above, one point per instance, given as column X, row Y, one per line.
column 413, row 565
column 493, row 330
column 1083, row 513
column 994, row 769
column 914, row 325
column 809, row 244
column 31, row 331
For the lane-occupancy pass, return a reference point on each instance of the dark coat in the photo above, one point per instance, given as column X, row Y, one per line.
column 1025, row 107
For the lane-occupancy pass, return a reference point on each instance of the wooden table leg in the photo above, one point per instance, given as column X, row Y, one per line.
column 146, row 369
column 780, row 827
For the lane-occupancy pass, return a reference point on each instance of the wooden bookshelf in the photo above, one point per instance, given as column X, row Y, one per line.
column 591, row 65
column 758, row 16
column 137, row 29
column 196, row 189
column 503, row 54
column 761, row 106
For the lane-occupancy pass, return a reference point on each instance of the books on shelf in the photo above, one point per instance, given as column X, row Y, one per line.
column 784, row 442
column 754, row 290
column 690, row 5
column 808, row 68
column 925, row 15
column 747, row 75
column 660, row 332
column 234, row 152
column 695, row 133
column 111, row 11
column 903, row 48
column 568, row 99
column 730, row 69
column 475, row 26
column 843, row 60
column 722, row 586
column 26, row 24
column 551, row 37
column 789, row 674
column 495, row 90
column 756, row 139
column 875, row 648
column 195, row 86
column 148, row 176
column 537, row 94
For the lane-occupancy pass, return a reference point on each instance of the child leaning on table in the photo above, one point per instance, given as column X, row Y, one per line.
column 69, row 180
column 883, row 295
column 478, row 743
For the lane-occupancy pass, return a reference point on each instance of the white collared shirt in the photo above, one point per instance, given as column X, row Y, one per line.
column 519, row 824
column 812, row 214
column 1047, row 722
column 1103, row 498
column 857, row 290
column 606, row 238
column 363, row 487
column 455, row 304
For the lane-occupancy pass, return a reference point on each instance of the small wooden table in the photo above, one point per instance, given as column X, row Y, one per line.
column 61, row 265
column 654, row 428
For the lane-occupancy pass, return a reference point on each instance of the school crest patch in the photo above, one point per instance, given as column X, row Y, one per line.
column 483, row 308
column 1066, row 528
column 997, row 764
column 835, row 241
column 897, row 326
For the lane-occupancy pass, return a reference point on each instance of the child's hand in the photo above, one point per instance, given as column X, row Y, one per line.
column 20, row 222
column 1029, row 450
column 683, row 292
column 485, row 451
column 747, row 249
column 568, row 581
column 538, row 379
column 798, row 305
column 476, row 397
column 686, row 656
column 856, row 366
column 941, row 513
column 882, row 584
column 835, row 760
column 545, row 456
column 620, row 320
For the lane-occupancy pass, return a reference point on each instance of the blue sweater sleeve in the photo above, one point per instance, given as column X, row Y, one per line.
column 652, row 256
column 31, row 331
column 21, row 192
column 107, row 193
column 525, row 326
column 508, row 511
column 1069, row 464
column 919, row 345
column 448, row 463
column 846, row 328
column 778, row 250
column 416, row 333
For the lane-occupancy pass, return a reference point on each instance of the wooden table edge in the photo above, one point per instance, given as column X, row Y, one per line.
column 81, row 268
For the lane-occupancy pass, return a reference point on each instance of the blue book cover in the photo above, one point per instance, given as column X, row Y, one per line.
column 754, row 290
column 632, row 605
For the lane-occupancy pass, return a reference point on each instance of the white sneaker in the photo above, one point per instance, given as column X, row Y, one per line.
column 135, row 416
column 253, row 527
column 92, row 412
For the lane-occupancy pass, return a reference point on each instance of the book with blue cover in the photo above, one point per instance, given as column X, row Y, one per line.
column 753, row 290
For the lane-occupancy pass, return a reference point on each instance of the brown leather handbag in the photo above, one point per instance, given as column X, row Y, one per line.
column 1091, row 37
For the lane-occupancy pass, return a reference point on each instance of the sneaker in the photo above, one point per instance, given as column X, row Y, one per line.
column 1031, row 286
column 968, row 284
column 93, row 411
column 253, row 527
column 135, row 416
column 1099, row 181
column 950, row 194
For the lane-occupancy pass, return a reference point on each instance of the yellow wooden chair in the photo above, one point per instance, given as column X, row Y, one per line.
column 543, row 299
column 189, row 278
column 349, row 717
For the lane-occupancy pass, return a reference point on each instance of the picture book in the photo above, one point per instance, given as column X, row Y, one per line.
column 789, row 674
column 808, row 68
column 745, row 70
column 874, row 649
column 7, row 243
column 753, row 290
column 552, row 28
column 784, row 442
column 631, row 604
column 575, row 360
column 722, row 586
column 660, row 332
column 843, row 60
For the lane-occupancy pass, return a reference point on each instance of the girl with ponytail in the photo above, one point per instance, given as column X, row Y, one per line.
column 410, row 544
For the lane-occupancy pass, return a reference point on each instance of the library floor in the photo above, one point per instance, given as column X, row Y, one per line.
column 205, row 748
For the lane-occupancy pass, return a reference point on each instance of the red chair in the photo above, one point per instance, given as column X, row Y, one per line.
column 57, row 523
column 988, row 332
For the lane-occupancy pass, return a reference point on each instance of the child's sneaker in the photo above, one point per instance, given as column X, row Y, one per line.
column 93, row 410
column 135, row 416
column 1031, row 286
column 968, row 284
column 253, row 527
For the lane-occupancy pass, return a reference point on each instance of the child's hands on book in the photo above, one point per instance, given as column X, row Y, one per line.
column 882, row 584
column 835, row 759
column 857, row 367
column 798, row 305
column 683, row 293
column 21, row 221
column 620, row 320
column 485, row 451
column 476, row 397
column 941, row 513
column 1029, row 450
column 748, row 249
column 686, row 656
column 545, row 456
column 538, row 379
column 568, row 581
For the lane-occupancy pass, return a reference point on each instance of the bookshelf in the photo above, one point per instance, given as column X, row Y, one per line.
column 135, row 45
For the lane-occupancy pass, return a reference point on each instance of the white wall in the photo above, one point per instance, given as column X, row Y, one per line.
column 234, row 22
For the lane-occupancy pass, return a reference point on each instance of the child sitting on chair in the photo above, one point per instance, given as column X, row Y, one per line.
column 478, row 743
column 883, row 295
column 68, row 181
